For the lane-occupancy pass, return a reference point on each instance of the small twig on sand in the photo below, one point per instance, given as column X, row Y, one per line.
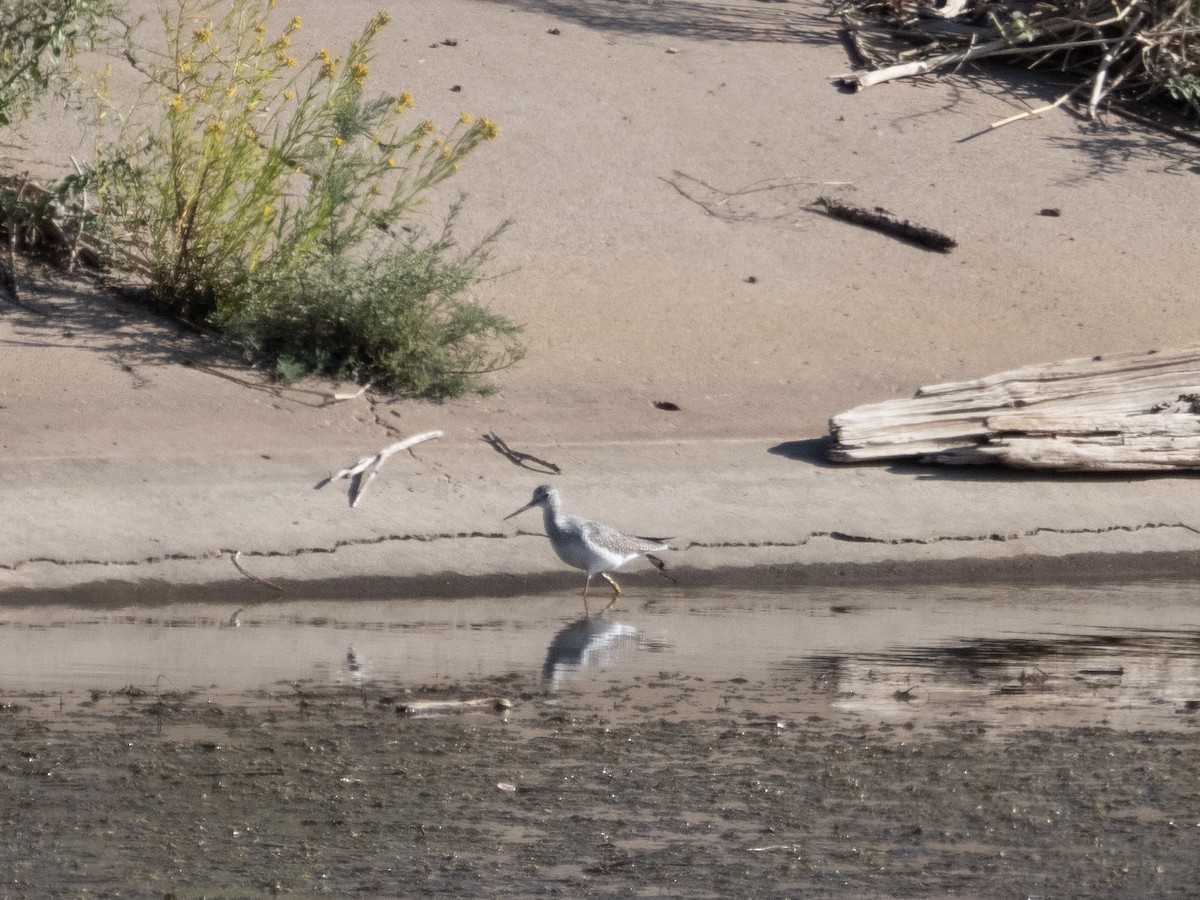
column 1041, row 109
column 881, row 220
column 727, row 205
column 358, row 486
column 237, row 565
column 442, row 707
column 337, row 398
column 519, row 458
column 327, row 397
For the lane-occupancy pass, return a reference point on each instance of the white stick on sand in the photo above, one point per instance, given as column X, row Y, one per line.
column 375, row 463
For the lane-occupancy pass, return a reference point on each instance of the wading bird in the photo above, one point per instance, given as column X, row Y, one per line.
column 591, row 546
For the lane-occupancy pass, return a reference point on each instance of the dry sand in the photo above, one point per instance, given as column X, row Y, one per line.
column 658, row 161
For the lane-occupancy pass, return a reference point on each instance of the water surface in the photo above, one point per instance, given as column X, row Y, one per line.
column 1126, row 656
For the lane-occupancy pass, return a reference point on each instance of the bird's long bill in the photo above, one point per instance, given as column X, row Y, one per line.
column 519, row 511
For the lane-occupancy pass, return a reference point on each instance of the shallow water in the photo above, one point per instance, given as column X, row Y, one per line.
column 1125, row 656
column 978, row 742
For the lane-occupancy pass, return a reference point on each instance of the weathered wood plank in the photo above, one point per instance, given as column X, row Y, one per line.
column 1167, row 426
column 954, row 417
column 1056, row 454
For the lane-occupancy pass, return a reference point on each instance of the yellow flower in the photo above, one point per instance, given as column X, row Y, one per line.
column 381, row 19
column 295, row 24
column 203, row 35
column 358, row 72
column 445, row 153
column 216, row 126
column 283, row 43
column 260, row 32
column 231, row 90
column 489, row 129
column 177, row 103
column 267, row 211
column 290, row 62
column 466, row 119
column 404, row 101
column 426, row 127
column 328, row 63
column 289, row 95
column 250, row 133
column 337, row 142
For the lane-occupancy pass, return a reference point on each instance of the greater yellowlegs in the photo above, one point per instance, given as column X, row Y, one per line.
column 584, row 544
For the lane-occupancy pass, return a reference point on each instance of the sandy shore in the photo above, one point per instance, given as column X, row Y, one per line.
column 658, row 162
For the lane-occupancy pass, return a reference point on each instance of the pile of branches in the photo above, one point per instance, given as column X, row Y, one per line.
column 1132, row 50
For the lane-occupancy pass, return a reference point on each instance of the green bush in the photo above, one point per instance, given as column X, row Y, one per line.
column 35, row 35
column 265, row 200
column 393, row 320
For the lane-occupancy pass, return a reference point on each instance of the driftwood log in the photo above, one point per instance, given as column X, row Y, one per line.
column 1122, row 412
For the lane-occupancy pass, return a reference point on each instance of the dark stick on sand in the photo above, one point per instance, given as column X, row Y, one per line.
column 881, row 220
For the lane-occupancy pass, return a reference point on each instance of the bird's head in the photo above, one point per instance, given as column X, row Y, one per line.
column 543, row 496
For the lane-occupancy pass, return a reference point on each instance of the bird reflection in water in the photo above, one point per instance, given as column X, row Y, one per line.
column 588, row 643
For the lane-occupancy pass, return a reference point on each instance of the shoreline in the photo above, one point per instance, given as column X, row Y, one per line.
column 1076, row 570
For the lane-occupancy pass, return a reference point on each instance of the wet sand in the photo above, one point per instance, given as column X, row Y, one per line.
column 328, row 792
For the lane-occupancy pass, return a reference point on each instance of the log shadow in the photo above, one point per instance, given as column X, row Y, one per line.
column 997, row 473
column 811, row 450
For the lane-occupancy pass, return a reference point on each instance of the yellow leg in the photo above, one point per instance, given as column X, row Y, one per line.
column 616, row 589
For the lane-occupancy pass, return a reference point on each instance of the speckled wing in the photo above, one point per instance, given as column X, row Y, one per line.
column 611, row 539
